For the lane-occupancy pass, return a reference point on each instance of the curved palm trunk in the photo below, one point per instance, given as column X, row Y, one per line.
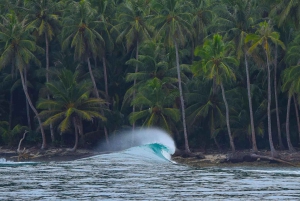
column 105, row 75
column 276, row 102
column 44, row 145
column 227, row 119
column 297, row 115
column 187, row 148
column 47, row 80
column 27, row 106
column 287, row 126
column 97, row 94
column 11, row 107
column 254, row 146
column 76, row 134
column 273, row 151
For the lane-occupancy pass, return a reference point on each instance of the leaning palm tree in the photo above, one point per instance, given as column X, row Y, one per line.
column 263, row 36
column 291, row 84
column 286, row 9
column 18, row 52
column 216, row 64
column 172, row 23
column 71, row 103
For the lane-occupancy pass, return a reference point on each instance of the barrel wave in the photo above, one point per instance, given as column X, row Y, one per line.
column 150, row 144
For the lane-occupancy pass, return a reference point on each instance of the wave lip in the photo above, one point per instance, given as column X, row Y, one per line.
column 149, row 152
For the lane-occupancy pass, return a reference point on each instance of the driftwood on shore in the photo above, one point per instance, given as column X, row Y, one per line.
column 239, row 157
column 271, row 159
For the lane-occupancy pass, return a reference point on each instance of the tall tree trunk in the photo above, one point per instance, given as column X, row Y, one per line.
column 27, row 106
column 273, row 151
column 287, row 125
column 97, row 94
column 297, row 114
column 47, row 80
column 44, row 145
column 134, row 82
column 11, row 106
column 228, row 119
column 254, row 146
column 105, row 75
column 186, row 142
column 76, row 134
column 276, row 101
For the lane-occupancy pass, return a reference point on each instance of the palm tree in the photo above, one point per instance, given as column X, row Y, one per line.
column 153, row 64
column 104, row 10
column 71, row 103
column 18, row 51
column 262, row 37
column 202, row 17
column 44, row 20
column 286, row 9
column 133, row 27
column 237, row 20
column 205, row 105
column 79, row 32
column 173, row 25
column 215, row 64
column 291, row 84
column 156, row 103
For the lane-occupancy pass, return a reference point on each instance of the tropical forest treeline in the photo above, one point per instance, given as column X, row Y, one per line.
column 213, row 73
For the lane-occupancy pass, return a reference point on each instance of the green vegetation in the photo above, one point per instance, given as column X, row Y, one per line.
column 213, row 73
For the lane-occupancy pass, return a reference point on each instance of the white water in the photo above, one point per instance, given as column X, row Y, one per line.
column 139, row 174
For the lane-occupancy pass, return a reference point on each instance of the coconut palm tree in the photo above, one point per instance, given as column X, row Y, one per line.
column 286, row 9
column 237, row 19
column 44, row 20
column 205, row 105
column 291, row 84
column 172, row 23
column 153, row 64
column 263, row 37
column 133, row 28
column 71, row 103
column 19, row 51
column 202, row 17
column 80, row 32
column 104, row 10
column 216, row 64
column 156, row 103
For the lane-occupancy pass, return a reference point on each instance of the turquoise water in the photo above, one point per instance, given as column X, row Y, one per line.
column 144, row 172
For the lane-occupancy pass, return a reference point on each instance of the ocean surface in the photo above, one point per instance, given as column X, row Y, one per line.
column 143, row 172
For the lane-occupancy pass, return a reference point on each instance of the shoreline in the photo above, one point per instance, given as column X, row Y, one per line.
column 211, row 159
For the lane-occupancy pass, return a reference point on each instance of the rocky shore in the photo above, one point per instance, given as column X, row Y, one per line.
column 241, row 158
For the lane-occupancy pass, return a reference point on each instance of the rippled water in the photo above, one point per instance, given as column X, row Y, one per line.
column 137, row 174
column 143, row 172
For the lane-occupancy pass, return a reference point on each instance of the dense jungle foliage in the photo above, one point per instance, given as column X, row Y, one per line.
column 213, row 73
